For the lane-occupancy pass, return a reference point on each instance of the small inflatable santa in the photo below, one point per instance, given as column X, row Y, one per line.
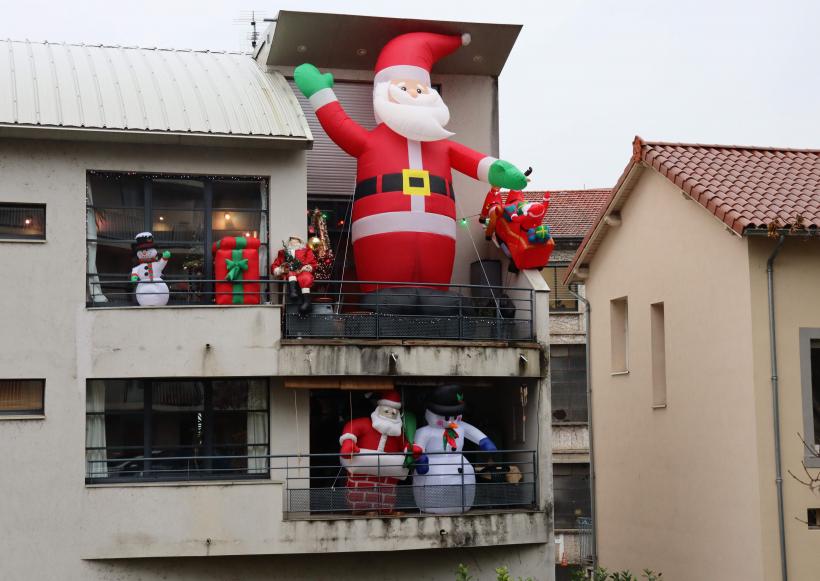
column 296, row 263
column 404, row 213
column 374, row 452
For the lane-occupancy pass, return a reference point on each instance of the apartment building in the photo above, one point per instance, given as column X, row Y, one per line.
column 200, row 439
column 702, row 274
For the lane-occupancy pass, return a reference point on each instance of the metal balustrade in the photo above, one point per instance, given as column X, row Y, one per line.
column 362, row 309
column 317, row 486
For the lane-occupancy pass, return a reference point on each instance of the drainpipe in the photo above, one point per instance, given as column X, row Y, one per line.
column 592, row 511
column 776, row 409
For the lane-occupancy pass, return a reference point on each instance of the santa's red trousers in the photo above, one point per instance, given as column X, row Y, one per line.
column 371, row 493
column 304, row 279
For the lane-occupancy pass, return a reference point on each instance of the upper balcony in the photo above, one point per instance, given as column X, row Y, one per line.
column 453, row 330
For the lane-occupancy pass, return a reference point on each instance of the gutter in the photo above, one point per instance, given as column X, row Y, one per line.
column 592, row 510
column 784, row 572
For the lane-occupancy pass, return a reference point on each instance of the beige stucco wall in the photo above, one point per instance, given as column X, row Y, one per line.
column 677, row 487
column 796, row 280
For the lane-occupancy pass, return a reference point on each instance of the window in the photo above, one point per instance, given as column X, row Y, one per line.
column 619, row 327
column 22, row 221
column 561, row 300
column 571, row 494
column 21, row 396
column 172, row 429
column 810, row 379
column 658, row 355
column 337, row 211
column 813, row 518
column 186, row 215
column 568, row 380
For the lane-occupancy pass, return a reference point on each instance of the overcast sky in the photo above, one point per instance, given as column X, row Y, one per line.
column 584, row 77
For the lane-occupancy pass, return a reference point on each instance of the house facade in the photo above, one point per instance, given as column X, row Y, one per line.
column 200, row 439
column 700, row 391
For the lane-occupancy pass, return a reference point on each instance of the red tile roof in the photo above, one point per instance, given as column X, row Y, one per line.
column 745, row 187
column 572, row 212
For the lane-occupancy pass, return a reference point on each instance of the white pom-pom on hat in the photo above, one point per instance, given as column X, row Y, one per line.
column 466, row 38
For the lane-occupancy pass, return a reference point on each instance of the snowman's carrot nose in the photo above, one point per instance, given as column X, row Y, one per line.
column 453, row 425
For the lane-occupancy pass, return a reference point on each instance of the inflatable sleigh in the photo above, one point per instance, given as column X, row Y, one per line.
column 518, row 229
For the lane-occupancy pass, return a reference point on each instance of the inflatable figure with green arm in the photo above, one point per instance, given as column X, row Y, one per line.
column 404, row 212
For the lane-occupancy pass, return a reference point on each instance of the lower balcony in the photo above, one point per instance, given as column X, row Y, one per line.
column 179, row 507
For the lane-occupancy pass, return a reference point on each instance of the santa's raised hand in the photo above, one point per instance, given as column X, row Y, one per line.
column 404, row 198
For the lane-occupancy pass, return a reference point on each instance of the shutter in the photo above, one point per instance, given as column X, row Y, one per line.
column 332, row 172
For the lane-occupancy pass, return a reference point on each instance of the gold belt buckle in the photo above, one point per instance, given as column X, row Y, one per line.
column 415, row 182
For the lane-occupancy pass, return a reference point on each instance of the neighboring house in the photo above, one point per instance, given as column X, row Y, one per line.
column 682, row 366
column 185, row 441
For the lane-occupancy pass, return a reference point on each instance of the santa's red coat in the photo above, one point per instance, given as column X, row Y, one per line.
column 303, row 255
column 398, row 237
column 367, row 437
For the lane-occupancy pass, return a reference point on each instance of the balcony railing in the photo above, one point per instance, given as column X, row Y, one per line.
column 584, row 524
column 316, row 485
column 404, row 311
column 360, row 309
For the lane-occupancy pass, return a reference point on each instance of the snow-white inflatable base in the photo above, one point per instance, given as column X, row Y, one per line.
column 445, row 490
column 152, row 294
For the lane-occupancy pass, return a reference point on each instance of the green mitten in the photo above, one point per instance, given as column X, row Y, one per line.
column 310, row 80
column 503, row 174
column 166, row 255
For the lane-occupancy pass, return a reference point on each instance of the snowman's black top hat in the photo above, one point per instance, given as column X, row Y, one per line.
column 142, row 241
column 447, row 400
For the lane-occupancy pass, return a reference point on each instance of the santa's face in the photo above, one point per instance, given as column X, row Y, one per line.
column 295, row 244
column 386, row 420
column 411, row 109
column 147, row 254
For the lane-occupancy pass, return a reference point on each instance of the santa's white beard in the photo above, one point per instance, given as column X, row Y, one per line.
column 391, row 427
column 420, row 118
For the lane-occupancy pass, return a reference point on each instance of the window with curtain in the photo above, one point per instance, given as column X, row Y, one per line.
column 561, row 300
column 21, row 396
column 177, row 429
column 185, row 213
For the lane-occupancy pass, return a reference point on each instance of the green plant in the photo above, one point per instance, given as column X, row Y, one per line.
column 625, row 575
column 600, row 574
column 578, row 574
column 650, row 575
column 503, row 574
column 463, row 573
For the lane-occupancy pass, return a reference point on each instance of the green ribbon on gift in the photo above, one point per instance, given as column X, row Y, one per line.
column 236, row 265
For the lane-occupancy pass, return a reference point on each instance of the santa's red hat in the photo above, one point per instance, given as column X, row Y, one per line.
column 390, row 398
column 412, row 55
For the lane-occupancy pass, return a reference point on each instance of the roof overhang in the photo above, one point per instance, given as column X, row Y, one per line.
column 593, row 239
column 346, row 41
column 21, row 131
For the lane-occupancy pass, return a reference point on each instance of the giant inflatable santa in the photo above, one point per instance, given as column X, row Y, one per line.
column 404, row 213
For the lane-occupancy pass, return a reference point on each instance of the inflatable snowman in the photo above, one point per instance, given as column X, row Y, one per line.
column 448, row 487
column 151, row 289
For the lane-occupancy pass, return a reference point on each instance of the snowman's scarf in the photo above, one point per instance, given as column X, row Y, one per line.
column 449, row 437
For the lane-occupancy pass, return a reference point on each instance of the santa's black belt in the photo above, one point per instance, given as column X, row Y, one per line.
column 394, row 182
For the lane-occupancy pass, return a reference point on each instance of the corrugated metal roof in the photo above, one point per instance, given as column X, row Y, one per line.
column 159, row 91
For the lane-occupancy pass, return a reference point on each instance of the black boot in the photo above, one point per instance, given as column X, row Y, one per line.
column 293, row 290
column 304, row 307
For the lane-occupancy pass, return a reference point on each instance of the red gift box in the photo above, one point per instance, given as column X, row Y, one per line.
column 236, row 260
